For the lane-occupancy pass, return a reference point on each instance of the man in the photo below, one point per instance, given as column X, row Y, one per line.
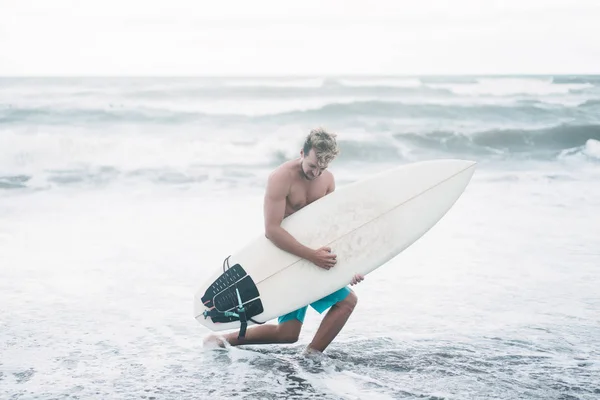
column 292, row 186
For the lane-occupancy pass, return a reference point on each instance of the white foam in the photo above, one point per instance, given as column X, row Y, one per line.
column 382, row 82
column 583, row 158
column 275, row 83
column 592, row 149
column 510, row 86
column 127, row 148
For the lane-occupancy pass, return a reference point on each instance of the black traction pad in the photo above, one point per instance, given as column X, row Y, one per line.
column 222, row 295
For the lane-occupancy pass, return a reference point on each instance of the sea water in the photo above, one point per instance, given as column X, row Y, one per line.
column 119, row 195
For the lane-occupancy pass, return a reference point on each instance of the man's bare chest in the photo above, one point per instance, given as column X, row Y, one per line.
column 301, row 195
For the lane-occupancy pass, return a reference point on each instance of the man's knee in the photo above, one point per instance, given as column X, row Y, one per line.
column 349, row 302
column 289, row 331
column 290, row 337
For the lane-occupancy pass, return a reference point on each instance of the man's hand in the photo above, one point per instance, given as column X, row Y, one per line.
column 324, row 258
column 357, row 279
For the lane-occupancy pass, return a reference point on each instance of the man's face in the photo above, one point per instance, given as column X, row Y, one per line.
column 310, row 166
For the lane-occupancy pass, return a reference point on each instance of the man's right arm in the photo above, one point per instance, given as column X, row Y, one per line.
column 278, row 186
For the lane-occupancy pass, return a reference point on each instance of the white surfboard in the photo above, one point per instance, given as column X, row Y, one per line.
column 365, row 223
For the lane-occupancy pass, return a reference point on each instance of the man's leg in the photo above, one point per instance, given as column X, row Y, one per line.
column 334, row 321
column 287, row 331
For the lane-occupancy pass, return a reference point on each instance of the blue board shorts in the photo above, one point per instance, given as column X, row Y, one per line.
column 319, row 305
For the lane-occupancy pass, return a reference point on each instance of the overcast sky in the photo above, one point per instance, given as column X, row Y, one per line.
column 306, row 37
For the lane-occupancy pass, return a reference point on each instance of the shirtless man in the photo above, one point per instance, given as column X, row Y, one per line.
column 293, row 185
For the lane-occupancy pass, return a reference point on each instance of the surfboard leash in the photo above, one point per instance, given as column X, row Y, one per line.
column 241, row 310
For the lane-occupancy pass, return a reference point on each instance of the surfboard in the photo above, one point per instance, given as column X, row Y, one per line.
column 366, row 223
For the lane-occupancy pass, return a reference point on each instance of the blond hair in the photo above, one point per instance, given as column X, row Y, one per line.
column 324, row 143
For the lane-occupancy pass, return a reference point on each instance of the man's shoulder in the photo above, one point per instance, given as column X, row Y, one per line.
column 282, row 169
column 328, row 177
column 281, row 174
column 329, row 181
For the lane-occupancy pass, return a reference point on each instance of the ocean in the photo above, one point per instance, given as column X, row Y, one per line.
column 119, row 195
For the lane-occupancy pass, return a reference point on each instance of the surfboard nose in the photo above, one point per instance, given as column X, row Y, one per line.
column 453, row 167
column 438, row 170
column 457, row 163
column 460, row 169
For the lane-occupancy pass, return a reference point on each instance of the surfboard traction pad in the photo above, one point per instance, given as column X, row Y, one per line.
column 221, row 295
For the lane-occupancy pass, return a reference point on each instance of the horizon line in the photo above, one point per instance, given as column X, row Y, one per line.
column 341, row 75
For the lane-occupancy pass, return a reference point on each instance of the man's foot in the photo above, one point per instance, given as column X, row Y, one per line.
column 213, row 341
column 309, row 351
column 314, row 355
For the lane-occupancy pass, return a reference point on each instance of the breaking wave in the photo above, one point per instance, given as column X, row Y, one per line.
column 544, row 142
column 522, row 110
